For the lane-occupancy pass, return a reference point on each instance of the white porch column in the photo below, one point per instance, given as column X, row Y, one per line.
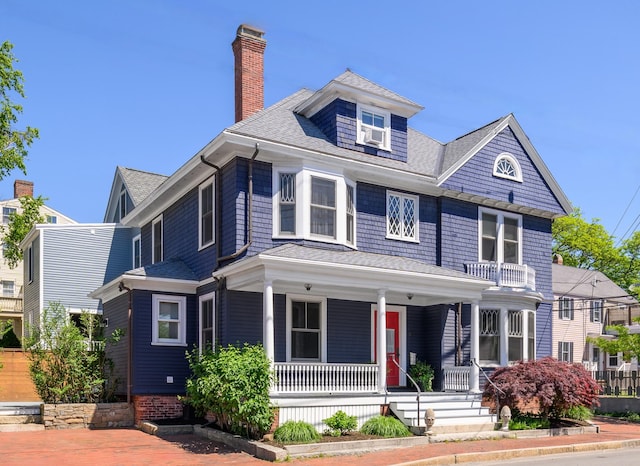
column 504, row 337
column 381, row 355
column 268, row 325
column 474, row 375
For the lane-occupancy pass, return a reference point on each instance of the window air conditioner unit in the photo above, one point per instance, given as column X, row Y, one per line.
column 373, row 135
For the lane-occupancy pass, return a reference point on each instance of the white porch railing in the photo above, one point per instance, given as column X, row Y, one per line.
column 456, row 378
column 304, row 377
column 504, row 274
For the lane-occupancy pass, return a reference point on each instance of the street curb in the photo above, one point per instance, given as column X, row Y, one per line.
column 503, row 455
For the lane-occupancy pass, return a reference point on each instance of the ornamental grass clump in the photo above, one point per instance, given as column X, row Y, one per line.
column 385, row 426
column 296, row 432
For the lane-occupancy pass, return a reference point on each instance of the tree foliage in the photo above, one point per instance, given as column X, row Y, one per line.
column 68, row 364
column 625, row 342
column 14, row 142
column 232, row 384
column 550, row 385
column 21, row 223
column 588, row 245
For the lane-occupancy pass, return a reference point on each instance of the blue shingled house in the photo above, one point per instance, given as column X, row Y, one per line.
column 346, row 242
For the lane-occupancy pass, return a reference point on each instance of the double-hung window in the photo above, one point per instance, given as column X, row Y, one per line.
column 314, row 205
column 207, row 322
column 6, row 214
column 169, row 320
column 373, row 127
column 596, row 311
column 29, row 263
column 516, row 336
column 206, row 213
column 500, row 237
column 306, row 325
column 156, row 240
column 565, row 351
column 52, row 219
column 122, row 205
column 8, row 288
column 565, row 306
column 402, row 221
column 323, row 207
column 136, row 247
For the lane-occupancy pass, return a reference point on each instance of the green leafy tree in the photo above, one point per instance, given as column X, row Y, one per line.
column 19, row 225
column 625, row 342
column 14, row 142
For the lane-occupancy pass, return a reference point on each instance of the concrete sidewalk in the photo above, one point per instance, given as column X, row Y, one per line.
column 134, row 447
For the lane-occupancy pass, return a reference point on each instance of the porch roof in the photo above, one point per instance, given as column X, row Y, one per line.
column 355, row 275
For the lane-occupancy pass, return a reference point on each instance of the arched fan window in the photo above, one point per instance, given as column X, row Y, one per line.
column 506, row 166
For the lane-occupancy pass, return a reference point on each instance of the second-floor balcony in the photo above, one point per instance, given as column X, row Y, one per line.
column 10, row 304
column 504, row 274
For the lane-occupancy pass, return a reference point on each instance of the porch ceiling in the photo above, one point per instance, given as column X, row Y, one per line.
column 351, row 275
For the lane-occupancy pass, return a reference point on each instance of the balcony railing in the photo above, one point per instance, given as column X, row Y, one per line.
column 504, row 274
column 9, row 304
column 299, row 377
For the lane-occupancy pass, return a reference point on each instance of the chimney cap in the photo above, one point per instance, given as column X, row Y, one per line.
column 245, row 30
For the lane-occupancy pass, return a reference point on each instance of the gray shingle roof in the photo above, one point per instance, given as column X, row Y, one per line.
column 139, row 183
column 171, row 269
column 575, row 282
column 360, row 259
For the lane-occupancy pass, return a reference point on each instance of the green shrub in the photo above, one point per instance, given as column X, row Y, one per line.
column 296, row 432
column 69, row 364
column 580, row 413
column 233, row 384
column 341, row 424
column 8, row 338
column 385, row 426
column 528, row 422
column 422, row 373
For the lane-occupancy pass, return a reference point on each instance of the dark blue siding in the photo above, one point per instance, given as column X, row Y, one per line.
column 116, row 311
column 459, row 234
column 372, row 226
column 476, row 177
column 348, row 331
column 153, row 363
column 244, row 314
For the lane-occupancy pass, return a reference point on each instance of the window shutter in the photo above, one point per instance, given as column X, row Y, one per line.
column 591, row 313
column 571, row 308
column 570, row 351
column 559, row 351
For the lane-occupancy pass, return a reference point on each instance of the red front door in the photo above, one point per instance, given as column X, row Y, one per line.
column 393, row 346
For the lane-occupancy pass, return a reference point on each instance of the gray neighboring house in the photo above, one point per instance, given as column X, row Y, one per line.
column 64, row 263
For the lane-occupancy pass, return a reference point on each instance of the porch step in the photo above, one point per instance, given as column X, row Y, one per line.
column 20, row 417
column 454, row 413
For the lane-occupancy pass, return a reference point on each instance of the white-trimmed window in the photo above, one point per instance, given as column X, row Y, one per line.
column 565, row 351
column 206, row 213
column 8, row 288
column 373, row 127
column 207, row 322
column 489, row 336
column 52, row 219
column 169, row 320
column 136, row 249
column 596, row 311
column 402, row 216
column 157, row 249
column 6, row 214
column 506, row 166
column 500, row 235
column 306, row 329
column 531, row 334
column 122, row 204
column 516, row 336
column 314, row 205
column 29, row 260
column 565, row 308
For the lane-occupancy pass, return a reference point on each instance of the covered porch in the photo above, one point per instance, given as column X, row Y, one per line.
column 385, row 286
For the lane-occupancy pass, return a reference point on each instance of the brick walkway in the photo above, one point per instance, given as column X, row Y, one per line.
column 133, row 447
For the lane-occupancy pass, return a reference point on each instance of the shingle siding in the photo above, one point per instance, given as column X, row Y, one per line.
column 476, row 177
column 117, row 313
column 458, row 233
column 348, row 331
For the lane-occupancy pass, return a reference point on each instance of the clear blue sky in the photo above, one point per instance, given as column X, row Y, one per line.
column 147, row 83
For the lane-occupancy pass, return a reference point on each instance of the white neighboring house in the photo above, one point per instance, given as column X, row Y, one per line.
column 11, row 299
column 585, row 303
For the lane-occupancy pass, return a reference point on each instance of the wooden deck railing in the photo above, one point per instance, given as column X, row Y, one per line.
column 302, row 377
column 456, row 378
column 504, row 274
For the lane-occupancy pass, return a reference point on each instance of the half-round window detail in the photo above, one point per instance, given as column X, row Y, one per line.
column 506, row 166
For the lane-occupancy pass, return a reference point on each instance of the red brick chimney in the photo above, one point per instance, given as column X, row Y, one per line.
column 248, row 50
column 22, row 188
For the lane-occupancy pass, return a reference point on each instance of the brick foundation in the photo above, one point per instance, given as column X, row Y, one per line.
column 153, row 407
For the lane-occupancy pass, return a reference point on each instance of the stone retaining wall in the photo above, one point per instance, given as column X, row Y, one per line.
column 621, row 404
column 87, row 415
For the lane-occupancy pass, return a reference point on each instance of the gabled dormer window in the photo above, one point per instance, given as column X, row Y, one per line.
column 314, row 205
column 206, row 214
column 374, row 127
column 506, row 166
column 122, row 205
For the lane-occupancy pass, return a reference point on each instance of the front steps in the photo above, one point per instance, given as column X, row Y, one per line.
column 455, row 413
column 20, row 417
